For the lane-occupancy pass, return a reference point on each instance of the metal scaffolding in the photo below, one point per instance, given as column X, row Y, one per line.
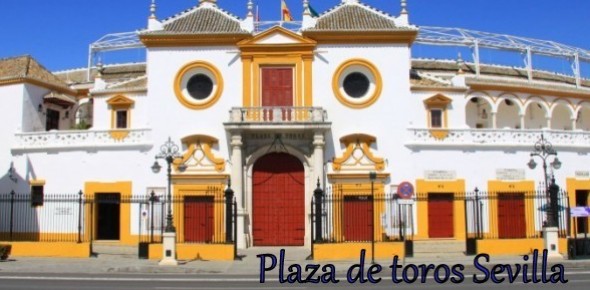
column 428, row 35
column 445, row 36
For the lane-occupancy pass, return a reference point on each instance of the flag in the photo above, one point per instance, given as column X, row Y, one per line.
column 313, row 12
column 286, row 14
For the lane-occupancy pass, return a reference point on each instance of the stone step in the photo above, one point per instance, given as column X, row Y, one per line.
column 439, row 247
column 114, row 250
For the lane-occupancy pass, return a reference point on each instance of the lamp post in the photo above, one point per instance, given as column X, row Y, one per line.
column 372, row 177
column 169, row 152
column 544, row 149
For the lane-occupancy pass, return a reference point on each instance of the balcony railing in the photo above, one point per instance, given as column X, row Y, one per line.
column 500, row 138
column 82, row 139
column 278, row 115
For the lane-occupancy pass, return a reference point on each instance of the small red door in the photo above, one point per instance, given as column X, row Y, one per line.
column 440, row 215
column 277, row 90
column 511, row 216
column 198, row 219
column 278, row 201
column 358, row 218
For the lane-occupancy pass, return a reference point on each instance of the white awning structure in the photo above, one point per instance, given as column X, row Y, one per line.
column 428, row 35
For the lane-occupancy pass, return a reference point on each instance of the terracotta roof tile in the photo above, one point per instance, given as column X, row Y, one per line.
column 26, row 67
column 355, row 17
column 201, row 20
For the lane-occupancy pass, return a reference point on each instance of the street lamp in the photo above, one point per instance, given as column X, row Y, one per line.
column 169, row 152
column 544, row 149
column 372, row 177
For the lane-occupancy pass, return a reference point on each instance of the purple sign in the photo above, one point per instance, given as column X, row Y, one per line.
column 580, row 211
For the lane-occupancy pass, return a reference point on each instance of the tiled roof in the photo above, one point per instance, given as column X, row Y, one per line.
column 449, row 66
column 355, row 17
column 111, row 73
column 27, row 68
column 201, row 20
column 59, row 99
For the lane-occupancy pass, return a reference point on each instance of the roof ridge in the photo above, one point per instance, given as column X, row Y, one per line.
column 197, row 8
column 359, row 4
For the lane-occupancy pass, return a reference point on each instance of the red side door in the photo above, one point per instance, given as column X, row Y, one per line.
column 277, row 89
column 198, row 219
column 278, row 201
column 358, row 218
column 511, row 216
column 440, row 215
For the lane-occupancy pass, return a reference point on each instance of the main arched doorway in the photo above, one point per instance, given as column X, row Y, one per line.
column 278, row 201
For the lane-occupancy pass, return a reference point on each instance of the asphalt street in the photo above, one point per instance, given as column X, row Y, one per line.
column 576, row 280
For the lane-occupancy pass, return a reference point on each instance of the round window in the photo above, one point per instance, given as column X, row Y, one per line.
column 200, row 86
column 356, row 84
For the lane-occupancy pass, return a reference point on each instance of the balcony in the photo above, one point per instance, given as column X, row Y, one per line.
column 497, row 138
column 89, row 140
column 278, row 117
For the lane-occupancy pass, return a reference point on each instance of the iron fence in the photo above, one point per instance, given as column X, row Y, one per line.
column 339, row 216
column 206, row 217
column 361, row 217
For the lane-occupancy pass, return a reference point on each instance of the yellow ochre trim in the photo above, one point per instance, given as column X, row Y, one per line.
column 497, row 187
column 120, row 103
column 440, row 102
column 50, row 249
column 37, row 182
column 355, row 187
column 456, row 187
column 196, row 252
column 298, row 55
column 362, row 37
column 207, row 152
column 352, row 251
column 572, row 185
column 362, row 142
column 515, row 246
column 368, row 100
column 124, row 188
column 201, row 187
column 211, row 100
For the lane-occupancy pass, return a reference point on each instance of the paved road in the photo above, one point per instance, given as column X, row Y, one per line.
column 577, row 280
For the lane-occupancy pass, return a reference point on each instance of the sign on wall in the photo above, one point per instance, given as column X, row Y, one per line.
column 580, row 211
column 582, row 174
column 510, row 174
column 440, row 174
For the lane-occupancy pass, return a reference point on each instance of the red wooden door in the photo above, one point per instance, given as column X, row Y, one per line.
column 278, row 201
column 440, row 215
column 358, row 218
column 511, row 216
column 277, row 90
column 198, row 219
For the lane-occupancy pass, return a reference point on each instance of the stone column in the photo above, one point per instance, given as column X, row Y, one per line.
column 494, row 120
column 574, row 123
column 548, row 122
column 521, row 121
column 318, row 157
column 237, row 176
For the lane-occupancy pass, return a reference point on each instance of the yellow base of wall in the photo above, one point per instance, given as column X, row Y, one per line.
column 46, row 249
column 352, row 251
column 516, row 246
column 196, row 252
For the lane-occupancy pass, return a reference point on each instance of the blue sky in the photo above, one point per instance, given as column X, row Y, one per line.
column 58, row 32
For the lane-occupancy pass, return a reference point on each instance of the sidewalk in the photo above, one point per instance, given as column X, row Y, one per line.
column 250, row 265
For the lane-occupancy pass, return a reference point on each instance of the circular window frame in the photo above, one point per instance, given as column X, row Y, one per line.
column 361, row 66
column 186, row 73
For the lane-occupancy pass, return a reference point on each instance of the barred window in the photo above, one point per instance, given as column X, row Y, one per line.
column 122, row 119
